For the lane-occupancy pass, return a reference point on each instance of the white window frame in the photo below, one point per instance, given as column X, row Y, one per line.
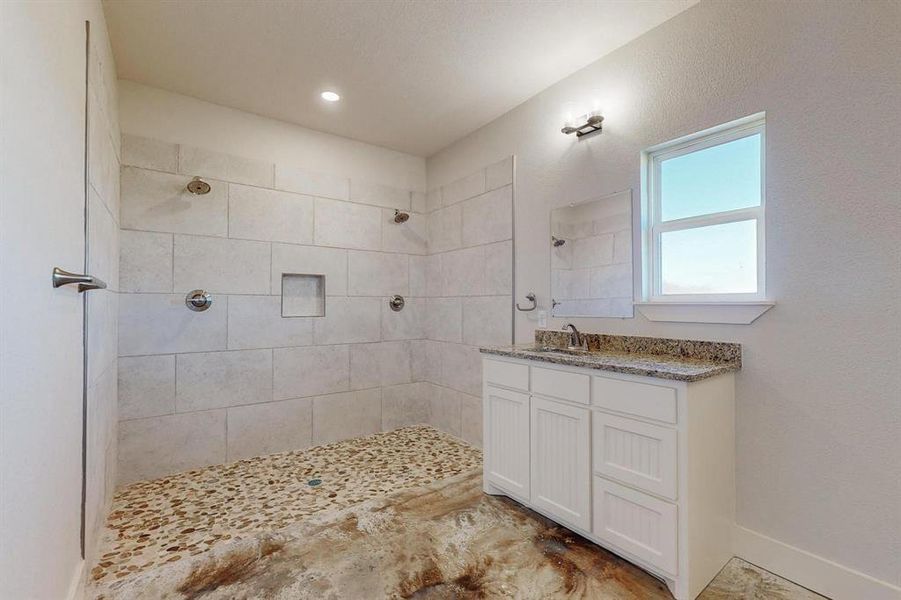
column 653, row 227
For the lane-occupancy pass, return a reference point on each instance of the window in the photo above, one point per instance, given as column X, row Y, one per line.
column 703, row 216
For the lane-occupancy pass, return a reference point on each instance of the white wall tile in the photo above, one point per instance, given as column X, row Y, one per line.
column 146, row 386
column 148, row 153
column 103, row 242
column 445, row 409
column 444, row 319
column 342, row 416
column 382, row 363
column 331, row 262
column 380, row 195
column 302, row 372
column 418, row 284
column 207, row 163
column 613, row 281
column 471, row 429
column 348, row 225
column 153, row 201
column 499, row 268
column 562, row 256
column 622, row 247
column 425, row 360
column 257, row 322
column 103, row 166
column 408, row 323
column 377, row 274
column 464, row 188
column 489, row 217
column 322, row 185
column 433, row 200
column 487, row 321
column 499, row 174
column 461, row 368
column 434, row 281
column 269, row 428
column 348, row 320
column 145, row 261
column 418, row 202
column 569, row 284
column 404, row 405
column 221, row 266
column 594, row 251
column 445, row 229
column 219, row 379
column 158, row 446
column 463, row 272
column 410, row 237
column 102, row 307
column 162, row 324
column 260, row 214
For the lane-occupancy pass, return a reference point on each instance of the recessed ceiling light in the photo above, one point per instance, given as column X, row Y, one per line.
column 330, row 96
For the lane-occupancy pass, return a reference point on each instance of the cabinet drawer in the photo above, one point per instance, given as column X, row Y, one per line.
column 506, row 374
column 637, row 453
column 561, row 384
column 641, row 399
column 635, row 522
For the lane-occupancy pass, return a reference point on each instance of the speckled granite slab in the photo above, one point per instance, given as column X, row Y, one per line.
column 679, row 360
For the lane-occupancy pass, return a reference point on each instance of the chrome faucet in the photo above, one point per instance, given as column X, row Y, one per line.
column 575, row 338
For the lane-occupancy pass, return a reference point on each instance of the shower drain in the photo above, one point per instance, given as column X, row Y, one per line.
column 314, row 482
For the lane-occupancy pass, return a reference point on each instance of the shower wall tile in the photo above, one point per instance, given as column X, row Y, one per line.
column 499, row 268
column 341, row 416
column 377, row 274
column 487, row 321
column 418, row 284
column 622, row 247
column 367, row 192
column 207, row 163
column 379, row 364
column 331, row 262
column 219, row 379
column 461, row 368
column 489, row 217
column 146, row 386
column 221, row 266
column 103, row 308
column 463, row 188
column 499, row 174
column 158, row 446
column 425, row 360
column 348, row 320
column 594, row 251
column 445, row 319
column 433, row 200
column 445, row 409
column 410, row 237
column 310, row 371
column 404, row 405
column 103, row 242
column 613, row 281
column 434, row 283
column 148, row 153
column 153, row 201
column 103, row 164
column 445, row 229
column 261, row 429
column 257, row 322
column 408, row 324
column 418, row 202
column 145, row 261
column 463, row 272
column 322, row 185
column 347, row 225
column 471, row 417
column 162, row 324
column 259, row 214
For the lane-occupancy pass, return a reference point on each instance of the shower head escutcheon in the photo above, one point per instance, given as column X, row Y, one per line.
column 198, row 187
column 557, row 241
column 400, row 216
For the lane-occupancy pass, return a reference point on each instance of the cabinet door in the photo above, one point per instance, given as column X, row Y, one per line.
column 506, row 440
column 561, row 479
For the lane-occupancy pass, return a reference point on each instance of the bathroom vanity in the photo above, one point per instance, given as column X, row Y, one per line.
column 631, row 445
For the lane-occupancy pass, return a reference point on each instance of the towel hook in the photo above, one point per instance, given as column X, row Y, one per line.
column 531, row 298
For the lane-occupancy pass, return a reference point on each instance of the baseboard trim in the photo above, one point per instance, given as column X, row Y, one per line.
column 809, row 570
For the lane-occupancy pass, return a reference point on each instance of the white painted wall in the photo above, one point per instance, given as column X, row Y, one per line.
column 818, row 420
column 42, row 211
column 155, row 113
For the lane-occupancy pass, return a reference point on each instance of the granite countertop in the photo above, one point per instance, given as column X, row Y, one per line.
column 679, row 360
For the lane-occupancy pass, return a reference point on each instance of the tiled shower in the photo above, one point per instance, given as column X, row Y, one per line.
column 240, row 379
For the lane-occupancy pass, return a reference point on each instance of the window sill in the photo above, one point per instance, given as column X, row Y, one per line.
column 733, row 313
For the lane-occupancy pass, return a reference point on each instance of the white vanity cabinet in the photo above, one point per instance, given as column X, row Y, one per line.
column 643, row 466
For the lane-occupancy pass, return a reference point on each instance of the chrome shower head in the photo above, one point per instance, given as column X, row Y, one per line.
column 198, row 187
column 400, row 216
column 557, row 241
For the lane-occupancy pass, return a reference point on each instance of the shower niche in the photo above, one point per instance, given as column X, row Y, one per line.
column 303, row 295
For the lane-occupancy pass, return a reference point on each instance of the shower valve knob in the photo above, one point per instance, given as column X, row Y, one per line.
column 396, row 302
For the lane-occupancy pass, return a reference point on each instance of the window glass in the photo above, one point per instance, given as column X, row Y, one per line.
column 716, row 259
column 716, row 179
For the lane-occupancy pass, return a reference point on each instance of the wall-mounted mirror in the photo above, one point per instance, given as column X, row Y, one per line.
column 591, row 258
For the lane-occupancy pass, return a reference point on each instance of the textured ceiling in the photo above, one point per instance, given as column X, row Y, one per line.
column 414, row 76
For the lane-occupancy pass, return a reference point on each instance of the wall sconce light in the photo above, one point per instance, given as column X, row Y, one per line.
column 585, row 124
